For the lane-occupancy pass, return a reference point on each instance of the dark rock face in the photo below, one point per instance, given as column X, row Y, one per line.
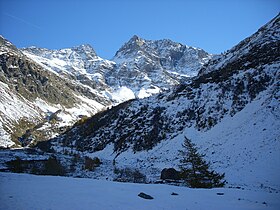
column 170, row 173
column 145, row 196
column 32, row 81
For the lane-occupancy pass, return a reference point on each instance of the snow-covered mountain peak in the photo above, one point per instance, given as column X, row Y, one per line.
column 4, row 41
column 145, row 67
column 85, row 49
column 142, row 67
column 162, row 47
column 79, row 60
column 130, row 48
column 136, row 39
column 161, row 55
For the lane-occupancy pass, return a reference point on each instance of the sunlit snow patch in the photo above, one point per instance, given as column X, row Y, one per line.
column 122, row 94
column 144, row 93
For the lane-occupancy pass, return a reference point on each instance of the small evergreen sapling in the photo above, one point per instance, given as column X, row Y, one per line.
column 195, row 170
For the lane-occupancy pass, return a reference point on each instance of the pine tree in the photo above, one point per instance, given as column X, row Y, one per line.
column 195, row 170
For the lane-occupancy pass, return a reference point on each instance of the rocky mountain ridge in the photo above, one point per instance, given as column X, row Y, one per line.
column 172, row 56
column 157, row 63
column 137, row 70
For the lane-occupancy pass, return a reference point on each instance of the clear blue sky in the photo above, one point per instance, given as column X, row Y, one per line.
column 214, row 25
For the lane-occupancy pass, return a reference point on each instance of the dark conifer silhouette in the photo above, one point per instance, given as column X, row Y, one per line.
column 195, row 170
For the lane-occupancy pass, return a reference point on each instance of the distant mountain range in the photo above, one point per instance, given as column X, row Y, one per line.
column 140, row 67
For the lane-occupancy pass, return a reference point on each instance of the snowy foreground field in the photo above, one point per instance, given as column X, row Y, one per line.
column 23, row 191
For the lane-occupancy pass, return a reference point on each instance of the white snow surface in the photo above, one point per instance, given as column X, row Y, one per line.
column 69, row 61
column 23, row 191
column 5, row 140
column 122, row 94
column 143, row 93
column 13, row 108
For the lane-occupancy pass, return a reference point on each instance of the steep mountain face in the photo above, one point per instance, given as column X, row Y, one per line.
column 155, row 65
column 80, row 63
column 231, row 110
column 36, row 102
column 166, row 54
column 139, row 69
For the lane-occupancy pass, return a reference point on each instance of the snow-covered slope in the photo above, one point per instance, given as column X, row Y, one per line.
column 22, row 191
column 80, row 61
column 13, row 108
column 37, row 104
column 230, row 111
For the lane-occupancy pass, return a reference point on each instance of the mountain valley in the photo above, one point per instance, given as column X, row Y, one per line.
column 131, row 114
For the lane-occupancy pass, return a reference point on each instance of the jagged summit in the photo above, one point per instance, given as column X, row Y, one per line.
column 79, row 60
column 80, row 49
column 137, row 42
column 135, row 38
column 86, row 49
column 161, row 55
column 132, row 45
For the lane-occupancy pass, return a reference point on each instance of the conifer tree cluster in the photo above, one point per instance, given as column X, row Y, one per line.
column 195, row 170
